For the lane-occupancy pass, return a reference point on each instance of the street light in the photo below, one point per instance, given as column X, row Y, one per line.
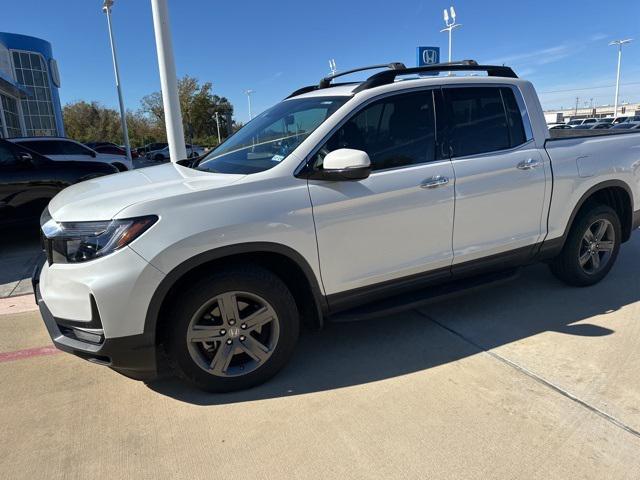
column 106, row 8
column 450, row 22
column 619, row 44
column 332, row 66
column 249, row 93
column 218, row 126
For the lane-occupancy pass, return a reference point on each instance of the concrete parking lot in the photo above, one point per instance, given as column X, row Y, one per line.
column 530, row 379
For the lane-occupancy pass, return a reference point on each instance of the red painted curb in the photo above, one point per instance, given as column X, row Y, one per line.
column 28, row 353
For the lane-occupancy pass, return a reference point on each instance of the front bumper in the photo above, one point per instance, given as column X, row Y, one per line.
column 133, row 356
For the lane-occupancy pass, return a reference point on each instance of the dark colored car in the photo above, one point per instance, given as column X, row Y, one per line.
column 111, row 149
column 28, row 181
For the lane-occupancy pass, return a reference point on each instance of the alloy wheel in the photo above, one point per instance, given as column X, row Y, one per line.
column 596, row 247
column 233, row 334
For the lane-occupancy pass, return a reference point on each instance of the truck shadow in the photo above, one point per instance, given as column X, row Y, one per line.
column 350, row 354
column 19, row 252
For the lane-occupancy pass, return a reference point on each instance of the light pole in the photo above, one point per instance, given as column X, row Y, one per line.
column 450, row 22
column 619, row 44
column 106, row 8
column 168, row 81
column 249, row 93
column 332, row 66
column 218, row 126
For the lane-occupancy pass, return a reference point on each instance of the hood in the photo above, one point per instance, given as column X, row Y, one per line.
column 103, row 197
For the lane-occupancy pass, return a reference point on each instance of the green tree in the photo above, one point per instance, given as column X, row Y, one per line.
column 199, row 106
column 89, row 122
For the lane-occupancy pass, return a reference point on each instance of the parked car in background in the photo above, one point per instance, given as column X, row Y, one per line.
column 111, row 149
column 558, row 126
column 65, row 149
column 625, row 126
column 584, row 126
column 387, row 187
column 576, row 122
column 621, row 119
column 150, row 147
column 160, row 155
column 582, row 121
column 592, row 126
column 28, row 181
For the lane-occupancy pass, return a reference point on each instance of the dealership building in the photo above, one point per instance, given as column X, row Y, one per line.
column 29, row 83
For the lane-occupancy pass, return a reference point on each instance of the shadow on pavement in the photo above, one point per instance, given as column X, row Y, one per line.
column 19, row 252
column 344, row 355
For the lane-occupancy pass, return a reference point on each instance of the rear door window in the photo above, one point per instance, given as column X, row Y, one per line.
column 43, row 147
column 483, row 120
column 72, row 148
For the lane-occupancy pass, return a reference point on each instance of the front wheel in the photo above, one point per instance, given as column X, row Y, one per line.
column 591, row 247
column 233, row 330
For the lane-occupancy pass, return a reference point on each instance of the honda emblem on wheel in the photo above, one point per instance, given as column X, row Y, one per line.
column 234, row 332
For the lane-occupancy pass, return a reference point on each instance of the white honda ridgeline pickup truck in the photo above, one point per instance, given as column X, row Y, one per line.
column 339, row 196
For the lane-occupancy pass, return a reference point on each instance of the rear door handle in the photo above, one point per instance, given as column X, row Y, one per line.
column 529, row 164
column 434, row 182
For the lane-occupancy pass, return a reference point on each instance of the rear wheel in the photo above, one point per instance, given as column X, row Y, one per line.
column 120, row 167
column 591, row 247
column 234, row 330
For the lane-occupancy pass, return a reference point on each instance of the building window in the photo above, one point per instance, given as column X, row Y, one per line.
column 31, row 72
column 11, row 115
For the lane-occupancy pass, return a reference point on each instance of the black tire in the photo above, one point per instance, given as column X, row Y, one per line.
column 567, row 267
column 198, row 298
column 120, row 167
column 159, row 158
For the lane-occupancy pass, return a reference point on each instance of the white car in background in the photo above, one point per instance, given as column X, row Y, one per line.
column 65, row 149
column 192, row 152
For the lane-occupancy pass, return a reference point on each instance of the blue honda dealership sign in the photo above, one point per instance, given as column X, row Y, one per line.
column 427, row 56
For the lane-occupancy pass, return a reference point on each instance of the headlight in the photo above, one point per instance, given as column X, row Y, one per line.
column 75, row 242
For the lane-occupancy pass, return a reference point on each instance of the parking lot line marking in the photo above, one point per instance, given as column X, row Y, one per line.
column 28, row 353
column 537, row 378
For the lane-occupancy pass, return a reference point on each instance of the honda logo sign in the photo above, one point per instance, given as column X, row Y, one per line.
column 427, row 56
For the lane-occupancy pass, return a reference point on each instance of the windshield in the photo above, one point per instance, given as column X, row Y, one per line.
column 271, row 136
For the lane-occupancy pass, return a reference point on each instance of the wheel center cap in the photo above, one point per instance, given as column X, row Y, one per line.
column 234, row 332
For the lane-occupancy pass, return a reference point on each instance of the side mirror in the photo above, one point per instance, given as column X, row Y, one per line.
column 344, row 164
column 92, row 153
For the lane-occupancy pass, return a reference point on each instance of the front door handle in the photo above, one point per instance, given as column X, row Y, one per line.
column 434, row 182
column 529, row 164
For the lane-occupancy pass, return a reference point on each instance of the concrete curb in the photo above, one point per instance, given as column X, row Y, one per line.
column 23, row 303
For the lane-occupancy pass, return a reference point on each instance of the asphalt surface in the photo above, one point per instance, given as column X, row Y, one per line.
column 529, row 379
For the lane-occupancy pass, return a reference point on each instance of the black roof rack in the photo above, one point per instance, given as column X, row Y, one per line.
column 384, row 78
column 396, row 68
column 326, row 81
